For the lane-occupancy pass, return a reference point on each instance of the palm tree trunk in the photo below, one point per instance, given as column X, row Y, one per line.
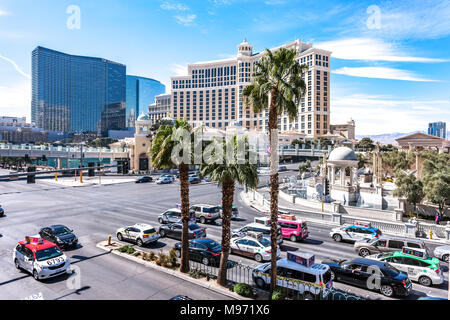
column 227, row 204
column 184, row 191
column 273, row 137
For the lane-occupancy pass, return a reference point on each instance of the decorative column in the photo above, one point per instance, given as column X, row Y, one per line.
column 342, row 176
column 333, row 174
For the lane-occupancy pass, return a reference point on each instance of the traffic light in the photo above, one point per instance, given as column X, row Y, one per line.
column 327, row 187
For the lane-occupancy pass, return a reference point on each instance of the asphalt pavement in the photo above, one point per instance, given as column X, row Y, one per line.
column 94, row 212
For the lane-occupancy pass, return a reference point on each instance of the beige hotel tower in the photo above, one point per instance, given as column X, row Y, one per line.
column 211, row 93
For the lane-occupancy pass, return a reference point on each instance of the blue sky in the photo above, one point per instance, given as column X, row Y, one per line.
column 390, row 62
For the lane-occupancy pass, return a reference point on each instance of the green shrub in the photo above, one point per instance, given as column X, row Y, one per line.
column 196, row 274
column 278, row 294
column 137, row 254
column 151, row 256
column 127, row 249
column 131, row 250
column 243, row 289
column 173, row 258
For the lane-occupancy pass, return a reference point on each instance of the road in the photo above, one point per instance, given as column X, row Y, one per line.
column 95, row 212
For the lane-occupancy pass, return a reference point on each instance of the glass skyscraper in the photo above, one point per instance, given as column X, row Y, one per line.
column 141, row 93
column 438, row 129
column 75, row 94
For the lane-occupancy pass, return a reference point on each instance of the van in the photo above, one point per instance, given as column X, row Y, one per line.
column 294, row 230
column 312, row 281
column 386, row 244
column 256, row 227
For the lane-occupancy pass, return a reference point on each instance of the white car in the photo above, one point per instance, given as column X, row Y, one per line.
column 42, row 258
column 140, row 233
column 253, row 246
column 354, row 233
column 442, row 252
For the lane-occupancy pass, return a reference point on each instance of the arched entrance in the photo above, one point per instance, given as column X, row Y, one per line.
column 143, row 162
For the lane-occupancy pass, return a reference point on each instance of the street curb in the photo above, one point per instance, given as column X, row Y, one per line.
column 174, row 273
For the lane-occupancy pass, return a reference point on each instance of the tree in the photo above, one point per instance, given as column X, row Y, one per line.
column 276, row 85
column 362, row 160
column 226, row 174
column 436, row 178
column 165, row 142
column 393, row 161
column 296, row 142
column 409, row 187
column 304, row 166
column 366, row 144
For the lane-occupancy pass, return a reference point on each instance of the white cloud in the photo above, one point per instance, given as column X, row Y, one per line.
column 15, row 66
column 274, row 2
column 379, row 114
column 4, row 13
column 174, row 6
column 179, row 69
column 380, row 73
column 369, row 49
column 16, row 99
column 187, row 20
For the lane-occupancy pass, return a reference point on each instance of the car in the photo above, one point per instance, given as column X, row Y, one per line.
column 234, row 212
column 354, row 233
column 174, row 230
column 181, row 297
column 42, row 258
column 205, row 251
column 60, row 235
column 415, row 263
column 442, row 252
column 2, row 212
column 294, row 230
column 144, row 179
column 140, row 233
column 205, row 213
column 207, row 178
column 253, row 246
column 194, row 179
column 170, row 216
column 169, row 176
column 282, row 168
column 309, row 279
column 263, row 170
column 256, row 227
column 164, row 180
column 385, row 243
column 358, row 271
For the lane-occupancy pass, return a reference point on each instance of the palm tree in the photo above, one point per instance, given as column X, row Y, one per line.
column 277, row 85
column 164, row 145
column 226, row 174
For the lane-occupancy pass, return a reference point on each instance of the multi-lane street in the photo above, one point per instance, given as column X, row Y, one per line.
column 94, row 212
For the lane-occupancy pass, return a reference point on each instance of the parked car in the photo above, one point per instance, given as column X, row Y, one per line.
column 2, row 211
column 415, row 263
column 354, row 233
column 234, row 212
column 253, row 246
column 60, row 235
column 442, row 252
column 164, row 180
column 206, row 213
column 174, row 230
column 357, row 273
column 385, row 243
column 42, row 258
column 144, row 179
column 140, row 233
column 194, row 179
column 205, row 251
column 310, row 281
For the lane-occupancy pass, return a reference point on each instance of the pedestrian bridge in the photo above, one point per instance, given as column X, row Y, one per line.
column 77, row 152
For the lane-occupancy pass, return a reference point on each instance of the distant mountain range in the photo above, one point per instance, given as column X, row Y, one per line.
column 389, row 138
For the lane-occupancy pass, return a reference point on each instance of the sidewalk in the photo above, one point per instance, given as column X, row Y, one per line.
column 211, row 285
column 88, row 181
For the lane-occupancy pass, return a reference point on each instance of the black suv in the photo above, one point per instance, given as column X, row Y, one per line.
column 60, row 235
column 144, row 179
column 371, row 275
column 205, row 251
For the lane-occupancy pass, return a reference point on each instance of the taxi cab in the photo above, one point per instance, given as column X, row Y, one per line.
column 254, row 246
column 140, row 233
column 415, row 263
column 42, row 258
column 355, row 232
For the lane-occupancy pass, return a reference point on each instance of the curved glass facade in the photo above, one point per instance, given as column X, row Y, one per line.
column 77, row 94
column 141, row 93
